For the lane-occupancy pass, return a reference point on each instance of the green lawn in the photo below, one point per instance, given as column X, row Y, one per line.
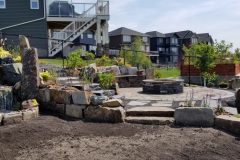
column 56, row 61
column 169, row 72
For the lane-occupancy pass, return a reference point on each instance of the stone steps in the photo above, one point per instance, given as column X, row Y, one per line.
column 150, row 112
column 150, row 120
column 150, row 115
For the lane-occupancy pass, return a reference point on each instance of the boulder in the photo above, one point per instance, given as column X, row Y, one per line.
column 43, row 95
column 81, row 97
column 61, row 95
column 194, row 116
column 228, row 123
column 98, row 100
column 10, row 74
column 24, row 44
column 59, row 109
column 112, row 103
column 104, row 114
column 115, row 70
column 28, row 104
column 12, row 118
column 123, row 70
column 6, row 98
column 75, row 111
column 30, row 74
column 132, row 71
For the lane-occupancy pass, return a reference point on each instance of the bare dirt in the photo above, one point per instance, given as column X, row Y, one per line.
column 49, row 137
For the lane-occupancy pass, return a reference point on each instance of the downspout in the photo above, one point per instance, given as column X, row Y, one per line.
column 39, row 19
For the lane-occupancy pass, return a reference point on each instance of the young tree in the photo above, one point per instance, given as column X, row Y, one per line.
column 222, row 48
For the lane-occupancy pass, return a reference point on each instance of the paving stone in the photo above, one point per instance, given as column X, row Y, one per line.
column 113, row 103
column 75, row 111
column 150, row 120
column 138, row 103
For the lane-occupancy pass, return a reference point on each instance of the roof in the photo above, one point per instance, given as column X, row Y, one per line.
column 155, row 34
column 182, row 34
column 205, row 37
column 126, row 31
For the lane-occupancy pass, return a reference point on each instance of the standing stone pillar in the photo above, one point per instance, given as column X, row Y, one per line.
column 30, row 74
column 238, row 100
column 24, row 44
column 98, row 36
column 105, row 39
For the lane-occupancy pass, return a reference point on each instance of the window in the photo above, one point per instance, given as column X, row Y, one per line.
column 174, row 41
column 174, row 50
column 145, row 39
column 161, row 49
column 34, row 4
column 194, row 40
column 160, row 40
column 81, row 36
column 126, row 38
column 2, row 4
column 90, row 35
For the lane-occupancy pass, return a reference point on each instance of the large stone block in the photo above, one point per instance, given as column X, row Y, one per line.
column 75, row 111
column 228, row 123
column 6, row 98
column 10, row 74
column 44, row 95
column 132, row 71
column 60, row 109
column 29, row 114
column 61, row 95
column 81, row 97
column 98, row 100
column 28, row 104
column 12, row 118
column 194, row 116
column 104, row 114
column 113, row 103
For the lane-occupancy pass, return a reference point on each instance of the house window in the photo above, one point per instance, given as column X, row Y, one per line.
column 81, row 36
column 161, row 49
column 174, row 41
column 145, row 39
column 160, row 40
column 34, row 4
column 2, row 4
column 194, row 40
column 126, row 38
column 174, row 50
column 90, row 35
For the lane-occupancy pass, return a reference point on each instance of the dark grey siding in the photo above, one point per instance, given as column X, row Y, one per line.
column 18, row 11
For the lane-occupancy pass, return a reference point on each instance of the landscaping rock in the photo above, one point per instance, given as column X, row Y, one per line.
column 123, row 70
column 195, row 116
column 104, row 114
column 30, row 74
column 109, row 93
column 62, row 95
column 29, row 104
column 237, row 102
column 6, row 98
column 29, row 114
column 115, row 70
column 12, row 118
column 98, row 100
column 60, row 109
column 44, row 95
column 112, row 103
column 81, row 97
column 24, row 44
column 132, row 71
column 228, row 123
column 10, row 74
column 75, row 111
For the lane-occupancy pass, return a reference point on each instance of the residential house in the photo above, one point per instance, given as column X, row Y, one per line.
column 125, row 37
column 170, row 46
column 56, row 25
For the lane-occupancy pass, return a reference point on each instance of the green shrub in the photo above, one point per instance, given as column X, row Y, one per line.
column 4, row 53
column 157, row 74
column 106, row 80
column 74, row 60
column 104, row 61
column 223, row 85
column 47, row 75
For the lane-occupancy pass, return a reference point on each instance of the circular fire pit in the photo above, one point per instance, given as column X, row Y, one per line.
column 163, row 86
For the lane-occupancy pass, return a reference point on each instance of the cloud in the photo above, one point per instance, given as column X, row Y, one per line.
column 220, row 18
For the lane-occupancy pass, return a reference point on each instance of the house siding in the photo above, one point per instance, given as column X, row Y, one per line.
column 18, row 11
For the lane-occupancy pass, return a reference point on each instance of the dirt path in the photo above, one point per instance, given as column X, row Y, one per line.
column 49, row 137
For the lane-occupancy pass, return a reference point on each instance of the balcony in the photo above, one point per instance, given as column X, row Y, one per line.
column 70, row 9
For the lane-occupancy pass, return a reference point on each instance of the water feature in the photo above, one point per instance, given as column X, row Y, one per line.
column 6, row 98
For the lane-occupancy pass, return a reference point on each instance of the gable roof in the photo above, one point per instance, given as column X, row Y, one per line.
column 182, row 34
column 205, row 37
column 155, row 34
column 126, row 31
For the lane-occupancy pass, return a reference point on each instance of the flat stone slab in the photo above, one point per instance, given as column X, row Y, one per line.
column 12, row 118
column 75, row 111
column 228, row 123
column 138, row 103
column 150, row 120
column 150, row 112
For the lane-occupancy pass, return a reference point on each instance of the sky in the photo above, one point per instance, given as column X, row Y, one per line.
column 220, row 18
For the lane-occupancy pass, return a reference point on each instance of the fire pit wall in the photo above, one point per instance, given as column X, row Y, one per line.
column 163, row 86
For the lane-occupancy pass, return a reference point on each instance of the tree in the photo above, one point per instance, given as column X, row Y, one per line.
column 222, row 48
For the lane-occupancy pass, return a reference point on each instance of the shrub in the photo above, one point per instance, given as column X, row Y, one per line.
column 223, row 85
column 17, row 59
column 104, row 61
column 3, row 53
column 74, row 60
column 106, row 80
column 48, row 75
column 157, row 74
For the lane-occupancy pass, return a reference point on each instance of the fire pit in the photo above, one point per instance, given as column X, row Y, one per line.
column 163, row 86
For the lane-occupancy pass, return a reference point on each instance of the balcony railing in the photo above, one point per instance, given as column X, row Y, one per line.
column 75, row 8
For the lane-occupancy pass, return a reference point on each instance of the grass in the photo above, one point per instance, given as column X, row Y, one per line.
column 56, row 61
column 237, row 116
column 169, row 72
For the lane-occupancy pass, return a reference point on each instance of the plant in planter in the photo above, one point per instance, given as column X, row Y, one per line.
column 106, row 80
column 189, row 99
column 206, row 101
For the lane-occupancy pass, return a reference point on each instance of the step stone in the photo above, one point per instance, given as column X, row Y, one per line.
column 150, row 120
column 150, row 112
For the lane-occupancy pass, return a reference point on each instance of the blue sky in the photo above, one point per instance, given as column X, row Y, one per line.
column 220, row 18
